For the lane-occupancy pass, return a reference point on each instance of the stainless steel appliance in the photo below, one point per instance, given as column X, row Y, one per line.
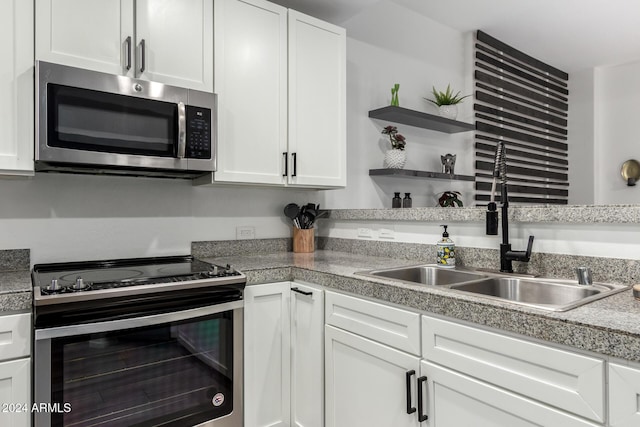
column 138, row 342
column 91, row 122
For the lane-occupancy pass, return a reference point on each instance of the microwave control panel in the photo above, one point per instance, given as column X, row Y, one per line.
column 198, row 133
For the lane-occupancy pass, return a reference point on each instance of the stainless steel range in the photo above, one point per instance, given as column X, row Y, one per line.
column 138, row 342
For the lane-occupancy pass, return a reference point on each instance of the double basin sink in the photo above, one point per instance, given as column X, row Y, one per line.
column 547, row 294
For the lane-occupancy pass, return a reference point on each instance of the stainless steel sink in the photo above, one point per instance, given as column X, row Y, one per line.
column 547, row 294
column 426, row 275
column 555, row 295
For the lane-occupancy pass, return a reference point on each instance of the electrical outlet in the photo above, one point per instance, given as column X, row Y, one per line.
column 245, row 232
column 387, row 233
column 365, row 233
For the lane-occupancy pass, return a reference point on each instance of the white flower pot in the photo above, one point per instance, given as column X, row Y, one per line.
column 395, row 159
column 449, row 111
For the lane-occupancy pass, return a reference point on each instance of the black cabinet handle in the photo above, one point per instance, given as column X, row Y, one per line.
column 421, row 415
column 128, row 45
column 410, row 408
column 300, row 291
column 286, row 164
column 143, row 55
column 294, row 156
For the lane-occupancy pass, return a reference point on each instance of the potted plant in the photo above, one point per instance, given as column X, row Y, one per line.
column 447, row 102
column 396, row 157
column 450, row 199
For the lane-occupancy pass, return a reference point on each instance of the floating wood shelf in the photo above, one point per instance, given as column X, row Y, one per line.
column 419, row 119
column 408, row 173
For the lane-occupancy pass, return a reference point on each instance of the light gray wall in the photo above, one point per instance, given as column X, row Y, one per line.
column 417, row 54
column 79, row 217
column 581, row 138
column 617, row 111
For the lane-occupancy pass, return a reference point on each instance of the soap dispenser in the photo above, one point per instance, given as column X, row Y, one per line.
column 446, row 250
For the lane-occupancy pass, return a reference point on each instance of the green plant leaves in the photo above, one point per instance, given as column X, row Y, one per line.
column 447, row 97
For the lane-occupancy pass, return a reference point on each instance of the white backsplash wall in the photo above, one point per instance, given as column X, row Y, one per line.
column 81, row 217
column 597, row 240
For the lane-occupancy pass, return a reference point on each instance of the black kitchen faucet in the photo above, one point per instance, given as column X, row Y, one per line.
column 507, row 256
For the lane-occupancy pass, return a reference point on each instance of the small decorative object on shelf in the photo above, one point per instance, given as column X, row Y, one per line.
column 394, row 95
column 447, row 102
column 407, row 202
column 396, row 202
column 450, row 199
column 396, row 157
column 448, row 163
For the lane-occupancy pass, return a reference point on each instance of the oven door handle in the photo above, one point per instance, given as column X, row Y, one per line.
column 135, row 322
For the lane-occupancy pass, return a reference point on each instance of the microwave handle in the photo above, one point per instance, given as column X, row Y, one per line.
column 182, row 131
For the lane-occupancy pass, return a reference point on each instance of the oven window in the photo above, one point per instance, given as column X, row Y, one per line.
column 89, row 120
column 178, row 374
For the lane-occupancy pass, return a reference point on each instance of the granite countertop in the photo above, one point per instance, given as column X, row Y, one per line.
column 609, row 326
column 15, row 290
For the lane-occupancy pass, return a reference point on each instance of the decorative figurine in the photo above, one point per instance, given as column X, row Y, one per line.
column 448, row 163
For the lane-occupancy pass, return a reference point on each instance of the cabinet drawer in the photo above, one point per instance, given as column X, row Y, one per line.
column 624, row 396
column 388, row 325
column 15, row 336
column 568, row 381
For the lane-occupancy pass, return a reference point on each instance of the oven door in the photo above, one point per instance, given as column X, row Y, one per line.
column 176, row 369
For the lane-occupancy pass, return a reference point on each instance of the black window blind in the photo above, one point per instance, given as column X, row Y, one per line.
column 523, row 102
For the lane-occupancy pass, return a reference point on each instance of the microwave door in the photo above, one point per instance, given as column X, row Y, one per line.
column 92, row 127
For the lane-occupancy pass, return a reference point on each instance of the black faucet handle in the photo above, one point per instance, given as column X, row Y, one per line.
column 529, row 246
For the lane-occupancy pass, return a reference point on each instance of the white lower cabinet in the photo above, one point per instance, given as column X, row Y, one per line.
column 456, row 400
column 386, row 366
column 571, row 382
column 15, row 370
column 15, row 393
column 624, row 396
column 372, row 360
column 366, row 382
column 283, row 361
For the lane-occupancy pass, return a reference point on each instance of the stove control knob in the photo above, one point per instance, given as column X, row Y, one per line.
column 79, row 283
column 54, row 286
column 214, row 270
column 230, row 269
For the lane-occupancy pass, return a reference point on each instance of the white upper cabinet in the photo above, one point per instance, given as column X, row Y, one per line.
column 160, row 40
column 90, row 34
column 317, row 102
column 251, row 83
column 178, row 42
column 280, row 80
column 16, row 88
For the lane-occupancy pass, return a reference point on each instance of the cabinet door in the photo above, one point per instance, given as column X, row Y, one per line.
column 15, row 389
column 90, row 34
column 16, row 88
column 267, row 355
column 572, row 382
column 366, row 382
column 317, row 102
column 307, row 356
column 624, row 396
column 178, row 42
column 251, row 83
column 455, row 400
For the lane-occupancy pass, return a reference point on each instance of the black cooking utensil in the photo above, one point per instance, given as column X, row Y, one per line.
column 292, row 211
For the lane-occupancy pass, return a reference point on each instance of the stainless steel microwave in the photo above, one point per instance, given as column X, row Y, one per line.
column 92, row 122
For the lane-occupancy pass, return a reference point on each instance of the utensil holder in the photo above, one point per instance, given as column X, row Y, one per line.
column 303, row 240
